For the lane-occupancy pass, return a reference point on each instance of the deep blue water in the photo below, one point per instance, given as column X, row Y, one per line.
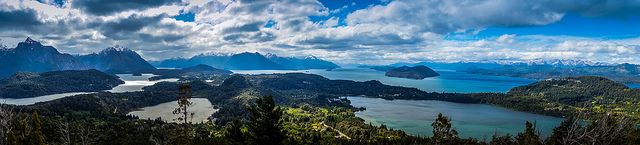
column 634, row 85
column 448, row 81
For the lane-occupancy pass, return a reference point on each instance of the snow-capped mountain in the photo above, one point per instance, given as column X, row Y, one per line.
column 32, row 56
column 248, row 61
column 117, row 59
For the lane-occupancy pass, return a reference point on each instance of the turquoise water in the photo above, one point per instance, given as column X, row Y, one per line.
column 448, row 81
column 634, row 85
column 470, row 120
column 415, row 116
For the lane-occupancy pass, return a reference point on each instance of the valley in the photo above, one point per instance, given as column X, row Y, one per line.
column 334, row 104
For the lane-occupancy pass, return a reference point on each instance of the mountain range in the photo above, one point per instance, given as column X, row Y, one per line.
column 117, row 60
column 32, row 56
column 248, row 61
column 536, row 69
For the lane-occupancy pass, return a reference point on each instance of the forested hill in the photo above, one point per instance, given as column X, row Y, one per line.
column 572, row 90
column 625, row 73
column 25, row 85
column 571, row 95
column 416, row 72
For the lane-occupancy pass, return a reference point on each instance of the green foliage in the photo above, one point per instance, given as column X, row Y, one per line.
column 442, row 131
column 529, row 136
column 502, row 140
column 570, row 96
column 233, row 132
column 28, row 131
column 264, row 126
column 561, row 132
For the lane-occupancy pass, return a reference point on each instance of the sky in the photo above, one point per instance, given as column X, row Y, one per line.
column 343, row 31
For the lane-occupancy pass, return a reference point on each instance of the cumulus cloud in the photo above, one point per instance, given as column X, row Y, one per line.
column 393, row 31
column 106, row 7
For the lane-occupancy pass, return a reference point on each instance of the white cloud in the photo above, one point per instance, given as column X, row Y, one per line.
column 402, row 30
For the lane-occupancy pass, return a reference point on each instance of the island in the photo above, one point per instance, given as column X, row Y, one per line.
column 417, row 72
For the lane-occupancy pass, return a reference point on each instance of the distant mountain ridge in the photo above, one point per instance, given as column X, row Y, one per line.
column 248, row 61
column 117, row 60
column 536, row 69
column 32, row 56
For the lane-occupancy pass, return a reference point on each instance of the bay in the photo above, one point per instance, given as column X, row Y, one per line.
column 470, row 120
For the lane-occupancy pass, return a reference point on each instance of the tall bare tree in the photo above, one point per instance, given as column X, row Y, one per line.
column 184, row 101
column 65, row 132
column 6, row 118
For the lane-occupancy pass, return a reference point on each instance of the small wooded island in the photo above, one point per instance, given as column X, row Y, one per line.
column 417, row 72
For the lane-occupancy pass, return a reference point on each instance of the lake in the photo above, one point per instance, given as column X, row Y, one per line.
column 136, row 83
column 33, row 100
column 448, row 81
column 470, row 120
column 131, row 84
column 201, row 108
column 415, row 116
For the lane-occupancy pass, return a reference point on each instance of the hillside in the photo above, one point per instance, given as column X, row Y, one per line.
column 25, row 85
column 625, row 73
column 567, row 96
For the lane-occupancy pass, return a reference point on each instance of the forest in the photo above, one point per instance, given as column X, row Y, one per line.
column 27, row 84
column 308, row 109
column 269, row 123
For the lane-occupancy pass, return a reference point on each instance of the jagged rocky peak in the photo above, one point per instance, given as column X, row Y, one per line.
column 116, row 48
column 29, row 42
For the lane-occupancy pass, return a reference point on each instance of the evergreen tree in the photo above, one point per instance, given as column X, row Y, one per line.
column 529, row 136
column 265, row 126
column 36, row 138
column 233, row 132
column 561, row 132
column 442, row 131
column 502, row 140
